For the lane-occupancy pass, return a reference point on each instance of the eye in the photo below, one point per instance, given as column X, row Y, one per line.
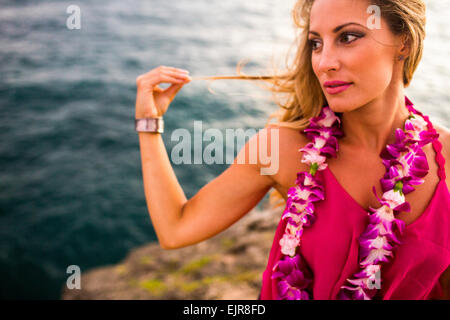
column 350, row 37
column 314, row 44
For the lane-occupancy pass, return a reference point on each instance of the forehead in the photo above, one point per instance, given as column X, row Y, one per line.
column 331, row 13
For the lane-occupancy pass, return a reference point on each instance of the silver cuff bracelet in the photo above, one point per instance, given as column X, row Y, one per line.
column 149, row 125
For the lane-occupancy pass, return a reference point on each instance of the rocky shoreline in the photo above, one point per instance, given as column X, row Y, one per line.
column 226, row 266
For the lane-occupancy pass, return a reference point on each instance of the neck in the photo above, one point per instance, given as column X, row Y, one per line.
column 372, row 126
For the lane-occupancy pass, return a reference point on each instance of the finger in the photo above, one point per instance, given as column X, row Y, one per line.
column 167, row 79
column 176, row 74
column 173, row 90
column 158, row 89
column 154, row 78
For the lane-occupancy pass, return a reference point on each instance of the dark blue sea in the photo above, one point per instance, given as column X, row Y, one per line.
column 71, row 190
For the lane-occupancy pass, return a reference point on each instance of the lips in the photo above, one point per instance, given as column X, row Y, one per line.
column 335, row 87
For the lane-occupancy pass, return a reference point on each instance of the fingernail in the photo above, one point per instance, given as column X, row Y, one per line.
column 185, row 71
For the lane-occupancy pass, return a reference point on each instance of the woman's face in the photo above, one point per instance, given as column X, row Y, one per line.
column 348, row 51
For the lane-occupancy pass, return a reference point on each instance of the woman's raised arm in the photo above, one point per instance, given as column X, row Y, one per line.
column 179, row 222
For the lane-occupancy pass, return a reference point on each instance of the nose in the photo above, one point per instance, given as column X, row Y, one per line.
column 328, row 59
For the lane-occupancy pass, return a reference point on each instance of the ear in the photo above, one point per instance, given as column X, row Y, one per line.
column 405, row 46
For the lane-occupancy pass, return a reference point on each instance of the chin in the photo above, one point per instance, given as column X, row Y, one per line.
column 342, row 103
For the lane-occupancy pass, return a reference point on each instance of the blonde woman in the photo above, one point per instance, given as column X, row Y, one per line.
column 359, row 72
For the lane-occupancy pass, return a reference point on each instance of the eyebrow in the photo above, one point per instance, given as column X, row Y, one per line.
column 338, row 28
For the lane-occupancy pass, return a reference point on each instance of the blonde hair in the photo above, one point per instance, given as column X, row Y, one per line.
column 303, row 95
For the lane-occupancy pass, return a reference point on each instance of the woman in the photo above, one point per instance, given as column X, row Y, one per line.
column 349, row 77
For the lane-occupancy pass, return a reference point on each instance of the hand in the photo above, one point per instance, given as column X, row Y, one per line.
column 153, row 101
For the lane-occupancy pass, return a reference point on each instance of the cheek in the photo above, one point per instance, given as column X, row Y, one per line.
column 372, row 72
column 373, row 66
column 315, row 64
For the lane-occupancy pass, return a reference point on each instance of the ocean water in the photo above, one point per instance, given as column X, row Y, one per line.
column 71, row 189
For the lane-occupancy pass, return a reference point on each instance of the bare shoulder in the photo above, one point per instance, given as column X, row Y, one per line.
column 289, row 139
column 444, row 138
column 287, row 145
column 442, row 130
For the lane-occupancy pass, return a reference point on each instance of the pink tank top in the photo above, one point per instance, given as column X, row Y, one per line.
column 330, row 246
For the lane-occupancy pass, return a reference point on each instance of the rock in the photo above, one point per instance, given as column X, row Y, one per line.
column 226, row 266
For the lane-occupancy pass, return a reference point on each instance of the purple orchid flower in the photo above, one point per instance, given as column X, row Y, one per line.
column 292, row 281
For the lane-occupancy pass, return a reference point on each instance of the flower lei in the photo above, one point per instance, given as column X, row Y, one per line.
column 406, row 164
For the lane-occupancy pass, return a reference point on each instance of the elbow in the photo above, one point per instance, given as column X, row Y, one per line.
column 168, row 245
column 169, row 240
column 165, row 246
